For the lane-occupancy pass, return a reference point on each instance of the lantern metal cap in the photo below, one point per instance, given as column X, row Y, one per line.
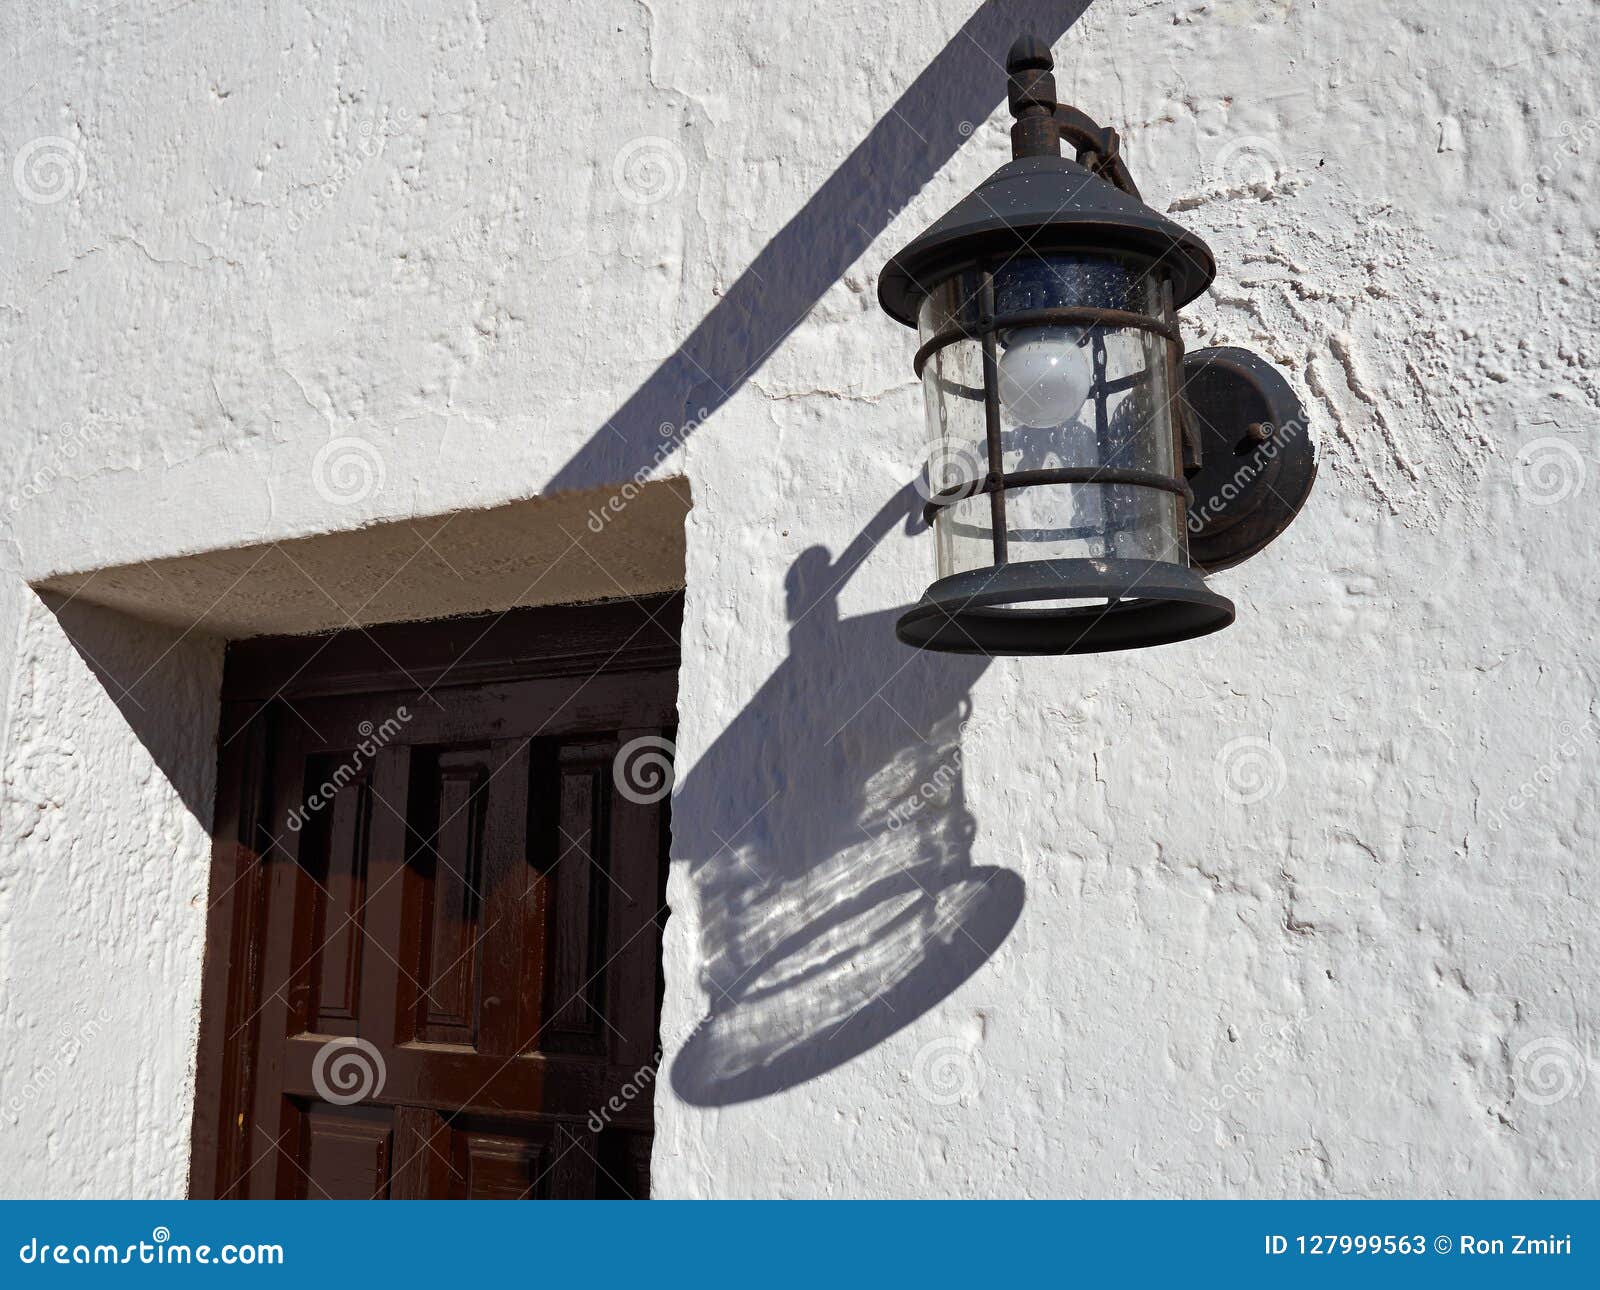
column 1042, row 205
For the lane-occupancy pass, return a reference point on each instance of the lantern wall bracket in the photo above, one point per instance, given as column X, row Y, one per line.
column 1257, row 462
column 1099, row 147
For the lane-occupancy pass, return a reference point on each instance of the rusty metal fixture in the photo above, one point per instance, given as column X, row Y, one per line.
column 1083, row 474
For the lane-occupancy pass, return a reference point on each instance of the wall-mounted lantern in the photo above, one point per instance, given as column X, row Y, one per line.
column 1083, row 474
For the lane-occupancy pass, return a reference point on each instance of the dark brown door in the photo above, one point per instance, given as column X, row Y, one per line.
column 433, row 957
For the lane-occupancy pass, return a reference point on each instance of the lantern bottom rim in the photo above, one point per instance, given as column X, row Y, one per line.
column 1137, row 603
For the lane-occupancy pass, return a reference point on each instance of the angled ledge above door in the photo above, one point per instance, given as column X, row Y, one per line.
column 593, row 545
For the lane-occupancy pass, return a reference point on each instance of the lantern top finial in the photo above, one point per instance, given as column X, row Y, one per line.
column 1031, row 91
column 1029, row 52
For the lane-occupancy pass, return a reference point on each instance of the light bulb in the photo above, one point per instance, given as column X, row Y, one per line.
column 1045, row 374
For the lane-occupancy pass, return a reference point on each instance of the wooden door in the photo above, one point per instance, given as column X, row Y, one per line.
column 433, row 959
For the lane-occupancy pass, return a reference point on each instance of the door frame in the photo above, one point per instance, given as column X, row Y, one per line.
column 263, row 675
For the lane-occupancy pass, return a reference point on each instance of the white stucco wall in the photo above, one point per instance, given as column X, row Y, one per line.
column 1303, row 908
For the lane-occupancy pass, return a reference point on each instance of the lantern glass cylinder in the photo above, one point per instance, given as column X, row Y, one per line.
column 1069, row 394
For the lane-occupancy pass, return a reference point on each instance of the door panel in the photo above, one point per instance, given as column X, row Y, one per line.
column 447, row 825
column 335, row 854
column 575, row 873
column 346, row 1153
column 434, row 948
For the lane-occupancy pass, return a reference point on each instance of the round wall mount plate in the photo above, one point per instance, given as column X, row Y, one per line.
column 1257, row 461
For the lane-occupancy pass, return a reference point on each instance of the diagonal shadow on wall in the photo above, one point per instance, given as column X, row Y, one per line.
column 842, row 902
column 902, row 152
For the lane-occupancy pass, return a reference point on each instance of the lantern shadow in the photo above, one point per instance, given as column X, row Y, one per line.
column 847, row 904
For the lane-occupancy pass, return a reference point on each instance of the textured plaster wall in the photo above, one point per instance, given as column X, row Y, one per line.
column 1300, row 909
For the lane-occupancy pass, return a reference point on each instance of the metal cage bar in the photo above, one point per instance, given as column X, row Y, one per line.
column 1000, row 482
column 991, row 418
column 1086, row 316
